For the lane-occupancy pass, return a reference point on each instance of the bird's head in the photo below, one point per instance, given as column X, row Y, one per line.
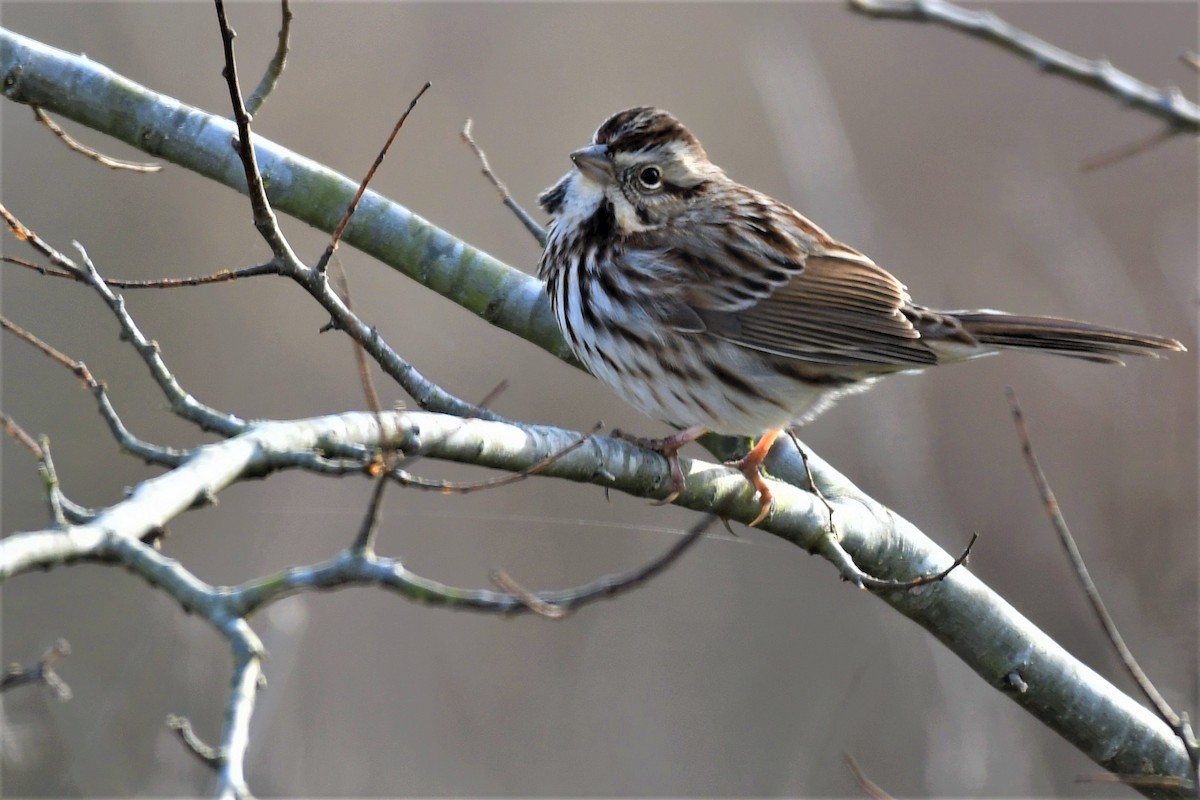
column 644, row 168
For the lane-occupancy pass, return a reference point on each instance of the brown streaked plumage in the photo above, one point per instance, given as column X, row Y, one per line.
column 712, row 306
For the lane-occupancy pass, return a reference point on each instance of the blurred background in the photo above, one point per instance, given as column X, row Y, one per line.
column 748, row 669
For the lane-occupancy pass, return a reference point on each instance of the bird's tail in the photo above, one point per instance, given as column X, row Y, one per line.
column 1064, row 337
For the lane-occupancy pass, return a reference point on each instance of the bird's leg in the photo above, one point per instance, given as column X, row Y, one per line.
column 668, row 447
column 749, row 466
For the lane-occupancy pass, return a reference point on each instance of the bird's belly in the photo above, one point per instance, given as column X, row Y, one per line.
column 706, row 381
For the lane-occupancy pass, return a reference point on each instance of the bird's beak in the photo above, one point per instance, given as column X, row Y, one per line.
column 593, row 162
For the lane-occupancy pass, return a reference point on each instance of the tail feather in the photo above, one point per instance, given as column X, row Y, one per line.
column 1064, row 337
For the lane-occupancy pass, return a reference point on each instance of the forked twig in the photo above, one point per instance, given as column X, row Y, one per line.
column 181, row 403
column 43, row 671
column 264, row 217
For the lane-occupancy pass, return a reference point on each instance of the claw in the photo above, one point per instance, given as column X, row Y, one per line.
column 677, row 480
column 749, row 466
column 668, row 447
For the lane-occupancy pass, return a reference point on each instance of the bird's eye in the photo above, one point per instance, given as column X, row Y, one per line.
column 650, row 177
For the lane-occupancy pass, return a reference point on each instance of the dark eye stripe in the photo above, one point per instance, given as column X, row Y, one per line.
column 684, row 192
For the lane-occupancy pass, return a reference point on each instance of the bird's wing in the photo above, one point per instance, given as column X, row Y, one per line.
column 780, row 285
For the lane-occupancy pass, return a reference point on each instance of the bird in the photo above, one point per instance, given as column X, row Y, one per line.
column 711, row 306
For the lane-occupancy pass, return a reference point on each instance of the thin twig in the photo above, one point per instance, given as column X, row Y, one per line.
column 812, row 484
column 466, row 487
column 364, row 542
column 61, row 508
column 1167, row 104
column 860, row 578
column 521, row 214
column 1137, row 781
column 1050, row 504
column 54, row 496
column 100, row 158
column 335, row 240
column 182, row 403
column 14, row 430
column 264, row 217
column 360, row 355
column 20, row 262
column 608, row 586
column 78, row 368
column 275, row 66
column 832, row 550
column 623, row 583
column 872, row 789
column 367, row 569
column 209, row 756
column 427, row 394
column 37, row 243
column 223, row 276
column 1127, row 150
column 497, row 390
column 537, row 605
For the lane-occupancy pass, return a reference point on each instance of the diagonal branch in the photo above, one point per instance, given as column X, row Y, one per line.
column 84, row 91
column 971, row 620
column 1168, row 105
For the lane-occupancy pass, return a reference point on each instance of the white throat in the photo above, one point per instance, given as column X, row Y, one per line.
column 580, row 202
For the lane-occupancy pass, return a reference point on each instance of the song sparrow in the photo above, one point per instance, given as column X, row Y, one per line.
column 713, row 307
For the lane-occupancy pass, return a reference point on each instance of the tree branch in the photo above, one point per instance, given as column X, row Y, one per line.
column 86, row 92
column 1168, row 105
column 985, row 631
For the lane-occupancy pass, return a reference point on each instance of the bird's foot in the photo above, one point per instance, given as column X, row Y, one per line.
column 668, row 447
column 750, row 465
